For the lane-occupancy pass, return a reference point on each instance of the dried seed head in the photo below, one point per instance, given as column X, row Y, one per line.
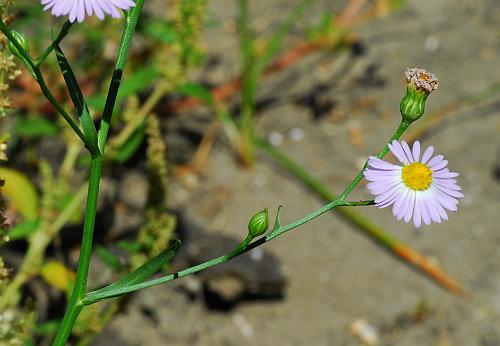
column 420, row 84
column 421, row 79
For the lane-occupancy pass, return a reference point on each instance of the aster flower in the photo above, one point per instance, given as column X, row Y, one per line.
column 421, row 188
column 78, row 9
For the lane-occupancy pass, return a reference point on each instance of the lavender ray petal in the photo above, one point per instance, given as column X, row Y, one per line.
column 439, row 166
column 396, row 149
column 411, row 206
column 407, row 151
column 427, row 154
column 416, row 151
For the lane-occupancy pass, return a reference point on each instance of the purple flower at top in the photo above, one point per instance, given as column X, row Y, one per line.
column 421, row 188
column 78, row 9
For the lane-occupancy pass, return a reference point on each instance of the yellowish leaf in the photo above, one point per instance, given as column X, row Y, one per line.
column 20, row 192
column 57, row 275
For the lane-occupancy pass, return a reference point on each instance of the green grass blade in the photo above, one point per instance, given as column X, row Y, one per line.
column 145, row 271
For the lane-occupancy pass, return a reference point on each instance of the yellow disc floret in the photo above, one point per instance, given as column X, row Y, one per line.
column 417, row 176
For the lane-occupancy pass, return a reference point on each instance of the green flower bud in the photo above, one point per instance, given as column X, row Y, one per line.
column 258, row 224
column 23, row 42
column 420, row 84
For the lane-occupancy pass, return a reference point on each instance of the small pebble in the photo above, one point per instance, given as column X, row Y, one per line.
column 245, row 328
column 431, row 44
column 296, row 134
column 257, row 254
column 276, row 138
column 366, row 333
column 258, row 182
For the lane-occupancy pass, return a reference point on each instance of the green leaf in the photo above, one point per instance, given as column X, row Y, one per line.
column 89, row 129
column 48, row 328
column 20, row 192
column 145, row 271
column 163, row 31
column 63, row 202
column 132, row 84
column 196, row 90
column 131, row 145
column 73, row 88
column 35, row 127
column 138, row 81
column 277, row 221
column 76, row 95
column 57, row 275
column 130, row 246
column 4, row 137
column 324, row 26
column 397, row 4
column 23, row 229
column 108, row 258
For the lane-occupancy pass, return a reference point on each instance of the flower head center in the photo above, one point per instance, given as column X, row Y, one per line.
column 424, row 77
column 422, row 80
column 417, row 176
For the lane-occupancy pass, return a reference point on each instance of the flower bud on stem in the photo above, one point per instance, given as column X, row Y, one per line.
column 258, row 224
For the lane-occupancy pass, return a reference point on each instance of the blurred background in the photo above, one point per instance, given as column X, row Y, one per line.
column 321, row 81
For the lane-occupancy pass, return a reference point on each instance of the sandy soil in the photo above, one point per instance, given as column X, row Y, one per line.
column 335, row 275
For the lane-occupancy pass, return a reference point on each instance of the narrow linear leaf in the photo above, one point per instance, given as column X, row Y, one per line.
column 76, row 95
column 89, row 128
column 277, row 221
column 108, row 257
column 145, row 271
column 69, row 78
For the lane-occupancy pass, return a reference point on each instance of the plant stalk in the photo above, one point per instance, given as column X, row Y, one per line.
column 75, row 304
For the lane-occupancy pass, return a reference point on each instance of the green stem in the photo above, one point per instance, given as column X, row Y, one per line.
column 130, row 24
column 37, row 74
column 245, row 246
column 49, row 96
column 62, row 34
column 79, row 289
column 363, row 223
column 75, row 304
column 352, row 216
column 401, row 129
